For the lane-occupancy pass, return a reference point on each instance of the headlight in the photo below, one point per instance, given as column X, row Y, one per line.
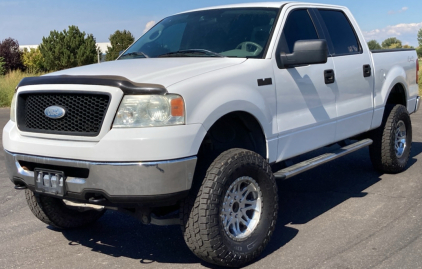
column 150, row 111
column 13, row 109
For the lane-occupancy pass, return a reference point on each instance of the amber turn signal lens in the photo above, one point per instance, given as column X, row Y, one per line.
column 177, row 107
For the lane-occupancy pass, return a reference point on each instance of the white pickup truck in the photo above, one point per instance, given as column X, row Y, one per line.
column 196, row 120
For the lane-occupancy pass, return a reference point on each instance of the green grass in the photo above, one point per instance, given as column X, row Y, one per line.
column 8, row 84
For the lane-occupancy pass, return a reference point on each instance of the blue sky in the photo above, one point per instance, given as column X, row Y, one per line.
column 28, row 21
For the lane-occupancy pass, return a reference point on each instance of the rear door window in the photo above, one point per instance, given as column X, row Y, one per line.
column 343, row 36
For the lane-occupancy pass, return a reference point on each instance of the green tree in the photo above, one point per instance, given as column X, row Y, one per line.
column 9, row 50
column 408, row 47
column 120, row 40
column 2, row 66
column 68, row 49
column 419, row 52
column 392, row 43
column 33, row 60
column 374, row 45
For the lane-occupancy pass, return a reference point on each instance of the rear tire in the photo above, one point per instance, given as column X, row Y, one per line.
column 231, row 218
column 390, row 150
column 54, row 212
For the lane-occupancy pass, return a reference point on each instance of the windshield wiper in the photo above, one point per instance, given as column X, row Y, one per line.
column 191, row 53
column 136, row 53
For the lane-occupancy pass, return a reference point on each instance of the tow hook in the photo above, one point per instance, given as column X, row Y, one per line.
column 97, row 200
column 19, row 184
column 20, row 187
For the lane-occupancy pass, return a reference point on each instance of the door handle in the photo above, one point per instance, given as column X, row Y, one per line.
column 367, row 70
column 329, row 76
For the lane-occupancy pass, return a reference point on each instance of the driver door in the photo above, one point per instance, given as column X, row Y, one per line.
column 306, row 101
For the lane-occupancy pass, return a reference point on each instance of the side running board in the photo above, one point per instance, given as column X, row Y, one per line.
column 317, row 161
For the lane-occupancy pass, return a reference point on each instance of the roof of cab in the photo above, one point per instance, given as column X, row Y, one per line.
column 262, row 4
column 257, row 4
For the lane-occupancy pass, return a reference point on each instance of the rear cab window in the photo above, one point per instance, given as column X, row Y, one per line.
column 344, row 40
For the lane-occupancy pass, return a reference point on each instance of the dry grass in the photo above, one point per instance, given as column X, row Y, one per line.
column 420, row 77
column 8, row 84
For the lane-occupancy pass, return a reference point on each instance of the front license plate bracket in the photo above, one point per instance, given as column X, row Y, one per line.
column 50, row 181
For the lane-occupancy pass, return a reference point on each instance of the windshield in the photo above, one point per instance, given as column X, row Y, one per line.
column 232, row 32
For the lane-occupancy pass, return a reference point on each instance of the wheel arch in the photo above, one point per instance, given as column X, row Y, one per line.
column 395, row 84
column 249, row 107
column 393, row 90
column 397, row 95
column 235, row 129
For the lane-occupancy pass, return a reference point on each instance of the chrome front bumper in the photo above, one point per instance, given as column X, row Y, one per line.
column 121, row 180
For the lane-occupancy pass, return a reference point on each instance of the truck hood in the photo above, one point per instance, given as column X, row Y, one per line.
column 163, row 71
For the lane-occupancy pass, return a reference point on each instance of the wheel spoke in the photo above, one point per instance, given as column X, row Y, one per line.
column 250, row 205
column 227, row 220
column 250, row 188
column 244, row 222
column 244, row 191
column 236, row 228
column 246, row 217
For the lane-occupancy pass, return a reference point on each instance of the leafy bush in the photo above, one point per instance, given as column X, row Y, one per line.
column 392, row 43
column 9, row 50
column 419, row 52
column 374, row 45
column 33, row 60
column 2, row 66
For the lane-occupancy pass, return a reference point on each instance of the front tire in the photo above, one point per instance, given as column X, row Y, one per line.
column 54, row 212
column 390, row 150
column 231, row 219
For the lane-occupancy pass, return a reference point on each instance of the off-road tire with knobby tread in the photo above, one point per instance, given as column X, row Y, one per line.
column 382, row 151
column 54, row 212
column 200, row 213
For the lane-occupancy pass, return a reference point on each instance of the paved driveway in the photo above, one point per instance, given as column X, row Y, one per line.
column 340, row 215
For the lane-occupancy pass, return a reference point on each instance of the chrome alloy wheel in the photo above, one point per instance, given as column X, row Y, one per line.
column 241, row 210
column 400, row 139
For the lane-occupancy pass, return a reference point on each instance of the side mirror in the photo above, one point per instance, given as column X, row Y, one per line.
column 306, row 52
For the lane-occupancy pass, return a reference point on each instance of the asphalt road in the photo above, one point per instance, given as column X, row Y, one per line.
column 340, row 215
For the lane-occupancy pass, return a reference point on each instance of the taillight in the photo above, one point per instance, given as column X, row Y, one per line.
column 417, row 71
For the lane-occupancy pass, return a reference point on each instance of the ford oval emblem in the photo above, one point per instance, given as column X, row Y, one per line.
column 55, row 112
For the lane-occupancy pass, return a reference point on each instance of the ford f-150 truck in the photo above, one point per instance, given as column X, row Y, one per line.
column 196, row 120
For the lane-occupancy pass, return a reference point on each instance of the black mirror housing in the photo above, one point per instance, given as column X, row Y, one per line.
column 306, row 52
